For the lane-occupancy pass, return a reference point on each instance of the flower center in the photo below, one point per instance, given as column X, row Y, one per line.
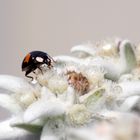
column 78, row 81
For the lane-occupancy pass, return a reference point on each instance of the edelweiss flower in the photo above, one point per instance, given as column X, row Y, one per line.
column 81, row 97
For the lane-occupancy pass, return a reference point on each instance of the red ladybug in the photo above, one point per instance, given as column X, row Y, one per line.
column 34, row 60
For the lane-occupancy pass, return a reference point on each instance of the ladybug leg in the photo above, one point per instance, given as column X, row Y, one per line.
column 40, row 70
column 50, row 66
column 26, row 74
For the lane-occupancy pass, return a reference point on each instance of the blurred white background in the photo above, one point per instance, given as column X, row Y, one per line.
column 55, row 26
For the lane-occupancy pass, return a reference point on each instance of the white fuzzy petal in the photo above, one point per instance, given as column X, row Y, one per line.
column 95, row 100
column 48, row 137
column 70, row 95
column 87, row 49
column 35, row 127
column 53, row 130
column 47, row 94
column 130, row 88
column 127, row 56
column 44, row 108
column 129, row 103
column 112, row 68
column 15, row 84
column 7, row 132
column 10, row 103
column 67, row 59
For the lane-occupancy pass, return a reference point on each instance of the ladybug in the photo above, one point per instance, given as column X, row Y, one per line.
column 34, row 60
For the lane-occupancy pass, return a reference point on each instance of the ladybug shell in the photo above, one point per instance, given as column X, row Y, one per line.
column 30, row 62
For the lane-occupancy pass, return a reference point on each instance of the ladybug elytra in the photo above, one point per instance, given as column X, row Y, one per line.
column 34, row 60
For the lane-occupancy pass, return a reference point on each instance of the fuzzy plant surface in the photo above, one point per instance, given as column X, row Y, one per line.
column 92, row 94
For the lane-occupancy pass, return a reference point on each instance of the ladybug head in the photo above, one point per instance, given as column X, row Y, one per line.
column 48, row 61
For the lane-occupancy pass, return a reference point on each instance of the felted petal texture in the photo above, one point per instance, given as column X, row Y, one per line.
column 15, row 84
column 67, row 59
column 95, row 100
column 45, row 109
column 127, row 55
column 54, row 129
column 9, row 133
column 9, row 103
column 116, row 67
column 111, row 67
column 84, row 50
column 130, row 88
column 129, row 103
column 33, row 128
